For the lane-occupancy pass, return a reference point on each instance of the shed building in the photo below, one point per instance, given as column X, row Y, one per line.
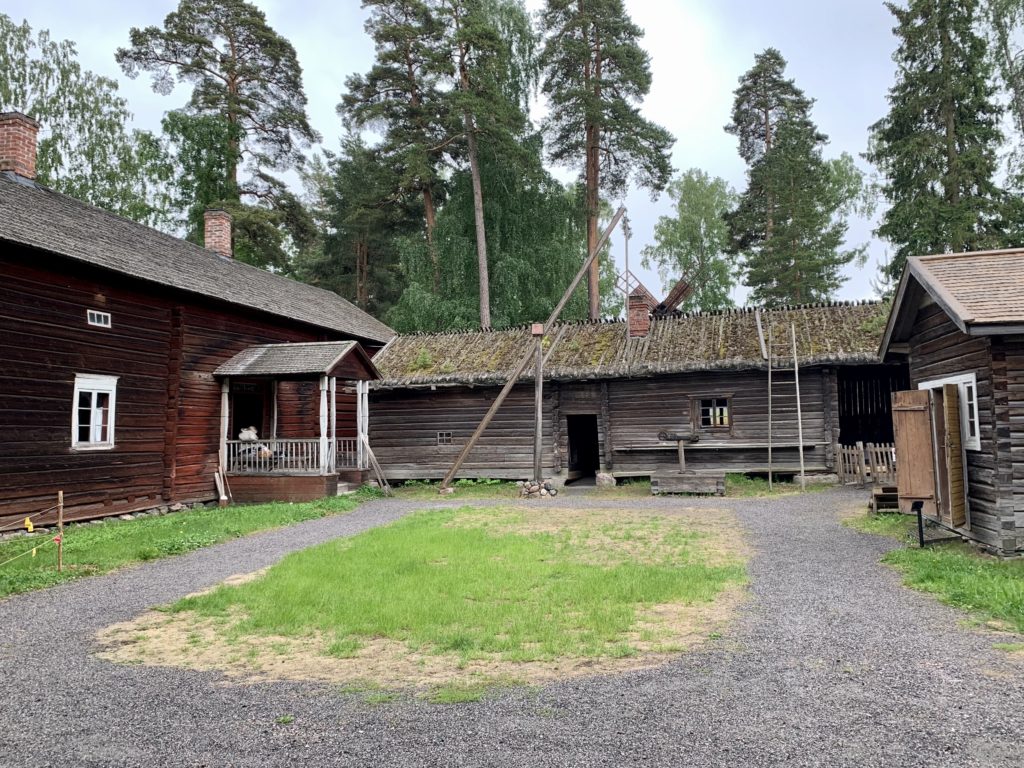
column 616, row 400
column 958, row 320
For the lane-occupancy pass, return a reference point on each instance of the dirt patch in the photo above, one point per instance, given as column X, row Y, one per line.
column 607, row 537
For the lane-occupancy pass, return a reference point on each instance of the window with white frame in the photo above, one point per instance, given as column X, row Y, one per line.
column 97, row 318
column 92, row 412
column 967, row 384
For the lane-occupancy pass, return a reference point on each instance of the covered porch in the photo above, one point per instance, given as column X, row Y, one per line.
column 282, row 437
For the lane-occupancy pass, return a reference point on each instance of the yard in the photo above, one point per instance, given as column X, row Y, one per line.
column 461, row 599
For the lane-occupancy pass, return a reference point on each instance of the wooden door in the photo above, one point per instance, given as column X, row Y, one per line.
column 953, row 456
column 915, row 450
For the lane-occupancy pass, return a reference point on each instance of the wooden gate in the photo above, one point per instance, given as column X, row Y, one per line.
column 915, row 450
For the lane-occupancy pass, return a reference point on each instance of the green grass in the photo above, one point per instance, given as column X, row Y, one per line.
column 447, row 582
column 954, row 572
column 427, row 490
column 94, row 549
column 745, row 486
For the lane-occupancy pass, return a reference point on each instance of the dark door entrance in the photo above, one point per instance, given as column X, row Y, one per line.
column 584, row 450
column 248, row 408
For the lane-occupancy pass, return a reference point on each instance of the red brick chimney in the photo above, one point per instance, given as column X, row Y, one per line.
column 640, row 308
column 18, row 144
column 217, row 231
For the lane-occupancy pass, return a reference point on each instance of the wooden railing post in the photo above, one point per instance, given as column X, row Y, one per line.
column 860, row 463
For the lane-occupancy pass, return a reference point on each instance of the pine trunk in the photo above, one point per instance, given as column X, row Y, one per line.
column 951, row 180
column 431, row 219
column 593, row 182
column 478, row 219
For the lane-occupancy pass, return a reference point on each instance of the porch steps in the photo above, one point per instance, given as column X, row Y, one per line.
column 884, row 498
column 347, row 489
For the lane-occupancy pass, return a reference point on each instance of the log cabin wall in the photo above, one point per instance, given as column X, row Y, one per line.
column 408, row 432
column 1008, row 405
column 45, row 341
column 939, row 349
column 641, row 408
column 163, row 345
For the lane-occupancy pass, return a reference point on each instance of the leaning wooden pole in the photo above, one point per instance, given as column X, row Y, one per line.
column 799, row 413
column 538, row 405
column 529, row 356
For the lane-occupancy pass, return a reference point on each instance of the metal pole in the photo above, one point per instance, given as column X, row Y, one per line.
column 538, row 426
column 799, row 414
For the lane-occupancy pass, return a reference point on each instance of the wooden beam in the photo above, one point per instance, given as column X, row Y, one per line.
column 538, row 407
column 323, row 425
column 528, row 357
column 223, row 452
column 333, row 450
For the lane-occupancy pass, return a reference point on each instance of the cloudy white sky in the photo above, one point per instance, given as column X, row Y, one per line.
column 839, row 52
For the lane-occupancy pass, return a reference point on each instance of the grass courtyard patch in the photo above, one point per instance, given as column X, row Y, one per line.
column 956, row 573
column 452, row 600
column 95, row 549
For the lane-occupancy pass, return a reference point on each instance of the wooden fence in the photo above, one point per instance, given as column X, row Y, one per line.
column 864, row 463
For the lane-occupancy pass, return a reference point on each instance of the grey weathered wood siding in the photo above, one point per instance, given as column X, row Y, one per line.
column 939, row 349
column 1008, row 406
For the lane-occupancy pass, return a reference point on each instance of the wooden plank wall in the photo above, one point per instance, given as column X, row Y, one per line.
column 937, row 349
column 1008, row 406
column 641, row 408
column 44, row 341
column 404, row 426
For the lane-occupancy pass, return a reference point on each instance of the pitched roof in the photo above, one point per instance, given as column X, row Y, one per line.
column 730, row 340
column 38, row 217
column 982, row 292
column 318, row 358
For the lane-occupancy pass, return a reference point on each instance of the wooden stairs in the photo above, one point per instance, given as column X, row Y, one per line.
column 884, row 498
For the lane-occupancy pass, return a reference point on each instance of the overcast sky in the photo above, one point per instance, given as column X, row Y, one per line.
column 839, row 53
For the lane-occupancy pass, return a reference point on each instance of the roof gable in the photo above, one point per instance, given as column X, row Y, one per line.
column 35, row 216
column 344, row 359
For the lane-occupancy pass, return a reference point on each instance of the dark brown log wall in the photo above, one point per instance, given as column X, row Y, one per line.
column 1008, row 407
column 939, row 349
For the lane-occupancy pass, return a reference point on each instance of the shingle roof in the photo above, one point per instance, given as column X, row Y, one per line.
column 826, row 334
column 982, row 292
column 35, row 216
column 308, row 359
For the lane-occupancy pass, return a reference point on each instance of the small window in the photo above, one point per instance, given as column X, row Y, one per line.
column 99, row 319
column 444, row 438
column 967, row 383
column 714, row 413
column 92, row 412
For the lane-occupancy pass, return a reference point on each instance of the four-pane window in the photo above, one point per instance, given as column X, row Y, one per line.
column 714, row 413
column 444, row 438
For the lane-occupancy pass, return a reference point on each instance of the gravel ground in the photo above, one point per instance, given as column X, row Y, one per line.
column 831, row 662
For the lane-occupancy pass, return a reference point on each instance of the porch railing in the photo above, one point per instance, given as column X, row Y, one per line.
column 864, row 463
column 285, row 456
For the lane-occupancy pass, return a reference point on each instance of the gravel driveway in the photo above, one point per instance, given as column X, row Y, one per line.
column 831, row 662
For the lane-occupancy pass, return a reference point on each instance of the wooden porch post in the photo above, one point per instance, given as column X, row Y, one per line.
column 360, row 424
column 273, row 412
column 225, row 388
column 323, row 425
column 334, row 424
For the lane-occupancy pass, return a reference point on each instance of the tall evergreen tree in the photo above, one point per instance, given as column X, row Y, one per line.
column 246, row 76
column 937, row 147
column 791, row 221
column 693, row 243
column 402, row 97
column 85, row 149
column 595, row 76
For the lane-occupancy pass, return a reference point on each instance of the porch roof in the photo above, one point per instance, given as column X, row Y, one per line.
column 343, row 359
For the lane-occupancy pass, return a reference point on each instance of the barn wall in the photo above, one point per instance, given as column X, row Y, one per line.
column 641, row 408
column 404, row 426
column 1008, row 406
column 938, row 349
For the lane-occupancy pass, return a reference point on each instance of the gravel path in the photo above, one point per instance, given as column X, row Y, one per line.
column 831, row 662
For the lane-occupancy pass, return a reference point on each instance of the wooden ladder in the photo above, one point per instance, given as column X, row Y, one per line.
column 788, row 348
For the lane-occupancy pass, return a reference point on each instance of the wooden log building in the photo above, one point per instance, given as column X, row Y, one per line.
column 132, row 361
column 958, row 319
column 615, row 401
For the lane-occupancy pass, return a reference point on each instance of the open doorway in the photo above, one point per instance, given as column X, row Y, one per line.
column 248, row 407
column 584, row 449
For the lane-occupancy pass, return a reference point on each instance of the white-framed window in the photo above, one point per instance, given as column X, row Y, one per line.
column 97, row 318
column 967, row 383
column 92, row 411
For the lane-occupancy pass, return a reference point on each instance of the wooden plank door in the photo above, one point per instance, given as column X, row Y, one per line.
column 915, row 450
column 953, row 449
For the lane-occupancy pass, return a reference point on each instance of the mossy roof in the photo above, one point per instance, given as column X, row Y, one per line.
column 827, row 334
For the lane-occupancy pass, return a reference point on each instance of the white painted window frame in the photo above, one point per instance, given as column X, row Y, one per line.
column 95, row 384
column 98, row 318
column 962, row 381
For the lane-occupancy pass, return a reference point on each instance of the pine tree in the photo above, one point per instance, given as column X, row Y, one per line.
column 937, row 147
column 595, row 75
column 693, row 243
column 402, row 96
column 791, row 221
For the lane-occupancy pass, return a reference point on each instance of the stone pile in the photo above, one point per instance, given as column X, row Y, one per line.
column 532, row 490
